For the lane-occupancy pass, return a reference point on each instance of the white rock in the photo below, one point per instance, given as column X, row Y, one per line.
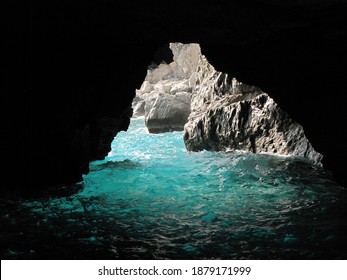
column 177, row 78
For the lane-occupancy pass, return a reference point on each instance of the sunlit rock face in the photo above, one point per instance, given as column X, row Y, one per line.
column 248, row 120
column 229, row 115
column 215, row 110
column 165, row 95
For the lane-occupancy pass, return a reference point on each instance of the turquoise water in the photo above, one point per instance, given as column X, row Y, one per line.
column 151, row 199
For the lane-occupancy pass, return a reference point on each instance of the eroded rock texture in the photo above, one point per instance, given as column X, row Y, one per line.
column 248, row 121
column 215, row 110
column 165, row 95
column 226, row 114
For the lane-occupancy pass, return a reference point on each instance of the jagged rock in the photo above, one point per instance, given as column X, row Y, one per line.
column 215, row 110
column 165, row 95
column 226, row 114
column 254, row 123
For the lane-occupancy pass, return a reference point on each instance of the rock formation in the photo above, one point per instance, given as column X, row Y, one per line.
column 86, row 59
column 228, row 115
column 216, row 111
column 164, row 97
column 250, row 121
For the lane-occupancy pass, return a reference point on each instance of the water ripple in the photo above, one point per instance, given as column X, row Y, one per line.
column 151, row 199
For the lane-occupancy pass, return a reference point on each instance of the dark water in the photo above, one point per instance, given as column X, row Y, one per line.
column 151, row 199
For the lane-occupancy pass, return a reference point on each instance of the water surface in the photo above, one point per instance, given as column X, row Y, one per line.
column 151, row 199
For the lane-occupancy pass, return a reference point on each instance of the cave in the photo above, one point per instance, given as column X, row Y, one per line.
column 87, row 58
column 86, row 63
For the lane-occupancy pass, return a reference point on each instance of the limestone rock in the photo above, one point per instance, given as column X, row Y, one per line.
column 228, row 115
column 246, row 119
column 168, row 112
column 165, row 95
column 138, row 106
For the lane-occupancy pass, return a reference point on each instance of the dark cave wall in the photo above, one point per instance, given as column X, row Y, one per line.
column 88, row 58
column 79, row 107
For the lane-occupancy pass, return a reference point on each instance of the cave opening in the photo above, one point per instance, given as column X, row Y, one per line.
column 152, row 198
column 150, row 190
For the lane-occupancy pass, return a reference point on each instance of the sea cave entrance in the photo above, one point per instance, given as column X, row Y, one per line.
column 151, row 198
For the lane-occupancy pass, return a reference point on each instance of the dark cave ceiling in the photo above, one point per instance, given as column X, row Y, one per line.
column 87, row 57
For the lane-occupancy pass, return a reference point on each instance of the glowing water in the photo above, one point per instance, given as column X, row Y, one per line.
column 150, row 198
